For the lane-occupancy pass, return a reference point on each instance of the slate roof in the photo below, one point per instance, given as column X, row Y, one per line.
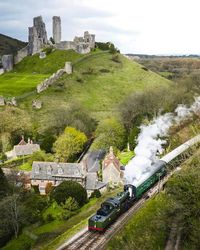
column 26, row 149
column 92, row 182
column 93, row 159
column 53, row 170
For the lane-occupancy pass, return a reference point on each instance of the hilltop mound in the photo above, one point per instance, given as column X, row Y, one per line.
column 100, row 81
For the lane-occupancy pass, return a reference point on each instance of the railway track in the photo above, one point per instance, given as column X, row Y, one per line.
column 94, row 240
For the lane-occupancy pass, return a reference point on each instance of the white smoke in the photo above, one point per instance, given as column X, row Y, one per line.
column 150, row 146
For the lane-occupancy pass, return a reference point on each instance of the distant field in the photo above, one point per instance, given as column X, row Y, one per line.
column 16, row 84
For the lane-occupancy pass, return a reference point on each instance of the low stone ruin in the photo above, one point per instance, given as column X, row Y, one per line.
column 37, row 104
column 1, row 71
column 2, row 101
column 42, row 55
column 68, row 68
column 7, row 62
column 50, row 81
column 10, row 102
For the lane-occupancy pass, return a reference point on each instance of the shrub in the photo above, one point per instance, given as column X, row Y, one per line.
column 48, row 50
column 69, row 189
column 104, row 70
column 115, row 58
column 95, row 194
column 15, row 162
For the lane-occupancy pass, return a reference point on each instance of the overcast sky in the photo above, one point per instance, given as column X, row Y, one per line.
column 134, row 26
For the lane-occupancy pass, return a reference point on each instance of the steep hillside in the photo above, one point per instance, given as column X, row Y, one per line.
column 99, row 83
column 9, row 45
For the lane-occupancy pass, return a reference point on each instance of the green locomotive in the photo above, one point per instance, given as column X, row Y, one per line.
column 113, row 207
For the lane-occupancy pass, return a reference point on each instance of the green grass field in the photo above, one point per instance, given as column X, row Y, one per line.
column 17, row 84
column 32, row 70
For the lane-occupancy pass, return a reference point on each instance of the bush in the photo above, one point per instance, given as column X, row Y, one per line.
column 115, row 58
column 15, row 163
column 48, row 50
column 104, row 70
column 69, row 189
column 95, row 194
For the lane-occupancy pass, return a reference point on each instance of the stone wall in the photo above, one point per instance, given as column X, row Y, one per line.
column 21, row 54
column 53, row 78
column 65, row 45
column 50, row 81
column 7, row 62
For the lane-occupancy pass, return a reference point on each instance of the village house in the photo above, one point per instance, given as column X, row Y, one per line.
column 23, row 149
column 55, row 173
column 111, row 169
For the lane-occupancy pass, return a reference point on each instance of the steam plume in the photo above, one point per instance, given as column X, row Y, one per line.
column 150, row 146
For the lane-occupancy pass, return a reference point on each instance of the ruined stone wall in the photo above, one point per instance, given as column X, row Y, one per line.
column 21, row 54
column 50, row 81
column 66, row 45
column 7, row 62
column 53, row 78
column 37, row 36
column 56, row 29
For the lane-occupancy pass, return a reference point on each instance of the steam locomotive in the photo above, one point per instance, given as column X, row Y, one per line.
column 112, row 208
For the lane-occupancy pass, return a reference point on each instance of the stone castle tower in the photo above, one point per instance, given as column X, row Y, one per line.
column 56, row 29
column 37, row 36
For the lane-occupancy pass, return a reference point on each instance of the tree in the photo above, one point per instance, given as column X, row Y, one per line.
column 184, row 192
column 13, row 213
column 71, row 204
column 69, row 189
column 73, row 116
column 95, row 194
column 110, row 132
column 69, row 144
column 14, row 121
column 4, row 187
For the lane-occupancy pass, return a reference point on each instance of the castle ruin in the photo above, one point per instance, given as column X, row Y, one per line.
column 37, row 37
column 37, row 40
column 56, row 29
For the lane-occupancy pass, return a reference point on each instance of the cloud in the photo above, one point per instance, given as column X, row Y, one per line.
column 154, row 27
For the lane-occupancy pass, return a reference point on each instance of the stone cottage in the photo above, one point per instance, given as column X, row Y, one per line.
column 111, row 171
column 55, row 173
column 23, row 149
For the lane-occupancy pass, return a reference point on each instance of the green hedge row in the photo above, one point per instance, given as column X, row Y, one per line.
column 15, row 163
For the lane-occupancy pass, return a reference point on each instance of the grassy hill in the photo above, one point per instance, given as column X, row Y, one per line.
column 9, row 45
column 32, row 70
column 100, row 81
